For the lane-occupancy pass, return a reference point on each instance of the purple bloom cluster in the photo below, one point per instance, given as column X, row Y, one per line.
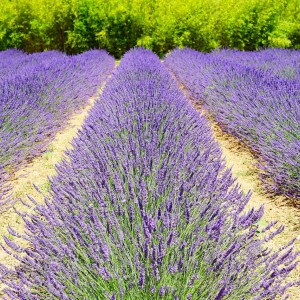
column 279, row 62
column 38, row 94
column 143, row 208
column 254, row 96
column 9, row 60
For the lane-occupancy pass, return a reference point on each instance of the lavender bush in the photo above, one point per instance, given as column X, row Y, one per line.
column 254, row 100
column 280, row 62
column 39, row 92
column 10, row 60
column 143, row 208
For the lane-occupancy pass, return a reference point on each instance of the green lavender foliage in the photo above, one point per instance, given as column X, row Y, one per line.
column 74, row 26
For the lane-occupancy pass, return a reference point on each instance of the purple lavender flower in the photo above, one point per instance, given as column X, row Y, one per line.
column 255, row 97
column 39, row 93
column 144, row 151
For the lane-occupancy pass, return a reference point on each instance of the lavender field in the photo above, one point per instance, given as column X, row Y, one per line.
column 142, row 205
column 254, row 96
column 39, row 92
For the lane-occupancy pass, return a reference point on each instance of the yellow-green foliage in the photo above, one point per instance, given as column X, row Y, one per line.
column 117, row 25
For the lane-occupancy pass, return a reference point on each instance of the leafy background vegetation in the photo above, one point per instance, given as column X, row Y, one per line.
column 74, row 26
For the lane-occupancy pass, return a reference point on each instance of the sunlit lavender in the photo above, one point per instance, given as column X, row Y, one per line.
column 254, row 96
column 39, row 93
column 143, row 208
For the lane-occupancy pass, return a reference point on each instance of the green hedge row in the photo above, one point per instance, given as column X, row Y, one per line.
column 117, row 25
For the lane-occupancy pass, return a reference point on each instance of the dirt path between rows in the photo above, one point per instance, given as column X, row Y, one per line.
column 240, row 159
column 37, row 173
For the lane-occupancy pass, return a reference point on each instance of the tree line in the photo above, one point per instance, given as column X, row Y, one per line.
column 74, row 26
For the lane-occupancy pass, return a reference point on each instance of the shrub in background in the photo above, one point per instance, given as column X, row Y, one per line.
column 115, row 25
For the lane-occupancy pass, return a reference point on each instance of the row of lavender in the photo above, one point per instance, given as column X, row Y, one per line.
column 143, row 207
column 279, row 62
column 256, row 97
column 39, row 93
